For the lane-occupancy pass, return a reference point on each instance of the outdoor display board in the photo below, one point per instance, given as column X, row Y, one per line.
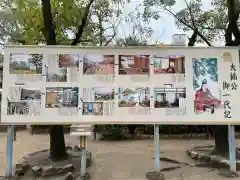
column 150, row 85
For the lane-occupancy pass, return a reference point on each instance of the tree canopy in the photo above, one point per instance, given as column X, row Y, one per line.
column 22, row 22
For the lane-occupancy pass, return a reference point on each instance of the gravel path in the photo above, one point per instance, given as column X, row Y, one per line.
column 122, row 160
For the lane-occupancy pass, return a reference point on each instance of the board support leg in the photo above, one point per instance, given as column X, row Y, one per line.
column 157, row 148
column 232, row 148
column 9, row 152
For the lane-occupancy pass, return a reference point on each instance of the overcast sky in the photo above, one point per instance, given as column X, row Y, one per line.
column 163, row 28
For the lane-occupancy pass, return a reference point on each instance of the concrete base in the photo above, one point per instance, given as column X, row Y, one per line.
column 155, row 175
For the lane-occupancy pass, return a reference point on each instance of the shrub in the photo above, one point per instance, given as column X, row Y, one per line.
column 114, row 132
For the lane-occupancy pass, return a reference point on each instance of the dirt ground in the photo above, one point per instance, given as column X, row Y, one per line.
column 120, row 160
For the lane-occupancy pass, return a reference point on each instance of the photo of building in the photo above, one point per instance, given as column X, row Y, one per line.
column 129, row 97
column 25, row 64
column 104, row 94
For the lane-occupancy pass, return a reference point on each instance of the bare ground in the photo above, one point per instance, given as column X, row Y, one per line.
column 121, row 160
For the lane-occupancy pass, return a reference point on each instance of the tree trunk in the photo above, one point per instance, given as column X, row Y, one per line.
column 221, row 140
column 192, row 40
column 57, row 141
column 95, row 132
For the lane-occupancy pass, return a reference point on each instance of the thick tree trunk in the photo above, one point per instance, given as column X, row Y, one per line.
column 57, row 143
column 221, row 140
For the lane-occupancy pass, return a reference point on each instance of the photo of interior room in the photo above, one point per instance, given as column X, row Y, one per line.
column 169, row 64
column 134, row 64
column 92, row 108
column 169, row 97
column 61, row 97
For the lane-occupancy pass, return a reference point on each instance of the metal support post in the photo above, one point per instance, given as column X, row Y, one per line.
column 232, row 148
column 9, row 153
column 157, row 148
column 83, row 143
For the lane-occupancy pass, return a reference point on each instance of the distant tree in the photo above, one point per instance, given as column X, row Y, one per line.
column 36, row 60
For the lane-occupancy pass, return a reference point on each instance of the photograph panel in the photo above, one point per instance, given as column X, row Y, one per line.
column 169, row 64
column 30, row 94
column 134, row 97
column 25, row 63
column 56, row 75
column 94, row 64
column 207, row 93
column 66, row 97
column 92, row 108
column 168, row 97
column 104, row 94
column 133, row 65
column 68, row 61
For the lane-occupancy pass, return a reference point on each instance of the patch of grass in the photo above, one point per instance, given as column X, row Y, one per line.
column 25, row 71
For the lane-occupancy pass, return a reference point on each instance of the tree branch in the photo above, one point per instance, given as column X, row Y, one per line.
column 191, row 14
column 189, row 26
column 49, row 31
column 114, row 32
column 110, row 39
column 83, row 24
